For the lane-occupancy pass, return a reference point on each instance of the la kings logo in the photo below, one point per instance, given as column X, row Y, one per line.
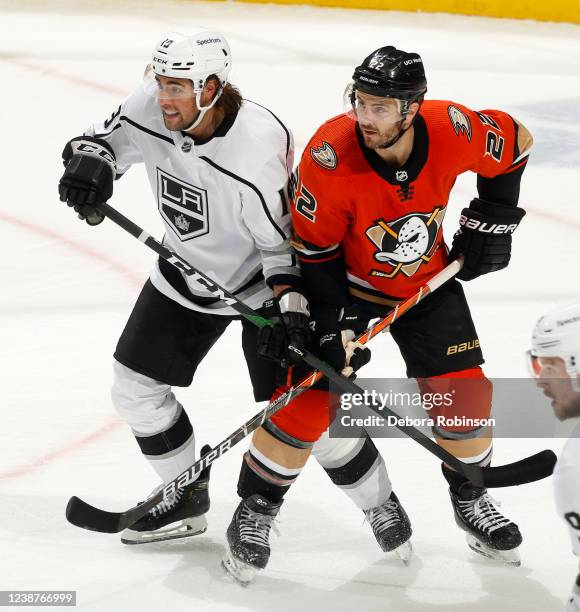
column 182, row 206
column 405, row 243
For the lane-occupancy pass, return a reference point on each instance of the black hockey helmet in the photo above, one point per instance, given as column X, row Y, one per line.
column 390, row 72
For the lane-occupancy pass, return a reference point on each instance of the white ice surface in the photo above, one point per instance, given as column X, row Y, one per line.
column 67, row 290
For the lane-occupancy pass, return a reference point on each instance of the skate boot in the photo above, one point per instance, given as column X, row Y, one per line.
column 392, row 528
column 489, row 532
column 248, row 538
column 180, row 516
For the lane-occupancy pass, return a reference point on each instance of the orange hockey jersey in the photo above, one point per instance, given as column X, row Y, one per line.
column 387, row 221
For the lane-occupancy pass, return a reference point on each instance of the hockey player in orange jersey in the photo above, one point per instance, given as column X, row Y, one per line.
column 369, row 198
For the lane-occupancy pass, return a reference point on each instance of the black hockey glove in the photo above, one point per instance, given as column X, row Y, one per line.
column 290, row 329
column 335, row 333
column 88, row 178
column 485, row 237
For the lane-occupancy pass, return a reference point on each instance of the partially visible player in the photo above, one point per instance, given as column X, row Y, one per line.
column 555, row 362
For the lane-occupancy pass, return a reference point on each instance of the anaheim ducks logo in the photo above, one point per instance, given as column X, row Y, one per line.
column 324, row 156
column 405, row 243
column 460, row 122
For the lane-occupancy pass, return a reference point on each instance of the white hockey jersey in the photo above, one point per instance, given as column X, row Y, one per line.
column 566, row 481
column 223, row 201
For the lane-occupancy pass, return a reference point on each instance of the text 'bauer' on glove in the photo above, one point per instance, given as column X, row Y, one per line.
column 484, row 237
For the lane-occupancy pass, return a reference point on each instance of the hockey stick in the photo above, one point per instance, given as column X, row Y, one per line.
column 471, row 472
column 84, row 515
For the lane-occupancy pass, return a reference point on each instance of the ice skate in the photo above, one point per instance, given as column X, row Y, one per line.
column 392, row 528
column 489, row 533
column 248, row 538
column 182, row 515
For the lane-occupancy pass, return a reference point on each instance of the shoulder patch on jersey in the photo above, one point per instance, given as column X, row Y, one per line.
column 324, row 156
column 460, row 122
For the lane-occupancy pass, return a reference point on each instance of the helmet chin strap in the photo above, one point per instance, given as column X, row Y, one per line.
column 404, row 112
column 573, row 374
column 390, row 143
column 202, row 110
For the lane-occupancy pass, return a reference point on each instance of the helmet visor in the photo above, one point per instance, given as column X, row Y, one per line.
column 534, row 364
column 161, row 87
column 371, row 110
column 542, row 366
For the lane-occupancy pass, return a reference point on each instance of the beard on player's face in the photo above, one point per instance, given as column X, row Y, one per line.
column 565, row 401
column 567, row 408
column 378, row 136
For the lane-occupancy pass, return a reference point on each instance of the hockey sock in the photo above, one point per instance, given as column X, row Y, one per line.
column 360, row 473
column 171, row 451
column 259, row 474
column 455, row 479
column 472, row 394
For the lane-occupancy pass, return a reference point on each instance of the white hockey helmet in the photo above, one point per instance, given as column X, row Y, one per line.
column 195, row 56
column 557, row 334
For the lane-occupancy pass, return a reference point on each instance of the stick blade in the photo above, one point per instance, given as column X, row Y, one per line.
column 538, row 466
column 83, row 515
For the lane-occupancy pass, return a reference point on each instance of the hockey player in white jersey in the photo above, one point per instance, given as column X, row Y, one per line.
column 218, row 166
column 555, row 362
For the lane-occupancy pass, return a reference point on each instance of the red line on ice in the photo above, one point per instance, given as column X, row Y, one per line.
column 549, row 216
column 108, row 262
column 102, row 258
column 63, row 451
column 64, row 77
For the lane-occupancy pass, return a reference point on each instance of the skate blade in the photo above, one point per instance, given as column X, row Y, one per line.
column 405, row 552
column 510, row 557
column 241, row 572
column 184, row 529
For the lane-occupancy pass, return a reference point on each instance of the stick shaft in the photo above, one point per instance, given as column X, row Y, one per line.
column 89, row 517
column 346, row 385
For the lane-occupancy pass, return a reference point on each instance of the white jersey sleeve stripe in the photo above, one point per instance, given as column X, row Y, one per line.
column 105, row 134
column 146, row 130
